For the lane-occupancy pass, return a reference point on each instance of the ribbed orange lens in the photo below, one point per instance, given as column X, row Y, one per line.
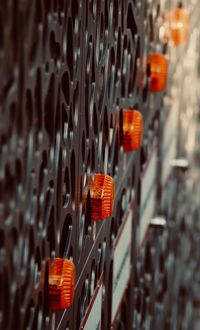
column 61, row 283
column 179, row 26
column 158, row 72
column 101, row 189
column 132, row 129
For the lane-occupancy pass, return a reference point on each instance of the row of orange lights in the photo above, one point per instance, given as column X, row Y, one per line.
column 101, row 187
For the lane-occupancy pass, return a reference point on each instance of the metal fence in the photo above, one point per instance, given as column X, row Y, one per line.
column 67, row 70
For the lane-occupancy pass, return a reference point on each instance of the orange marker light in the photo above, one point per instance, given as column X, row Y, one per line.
column 179, row 26
column 61, row 283
column 158, row 72
column 132, row 129
column 101, row 189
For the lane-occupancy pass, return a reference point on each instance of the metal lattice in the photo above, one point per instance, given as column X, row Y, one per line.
column 68, row 68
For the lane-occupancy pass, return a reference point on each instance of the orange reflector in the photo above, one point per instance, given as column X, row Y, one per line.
column 61, row 283
column 101, row 189
column 158, row 72
column 132, row 129
column 179, row 26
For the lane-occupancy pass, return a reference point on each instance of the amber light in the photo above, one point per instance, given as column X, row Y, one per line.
column 101, row 188
column 179, row 26
column 158, row 72
column 132, row 129
column 61, row 283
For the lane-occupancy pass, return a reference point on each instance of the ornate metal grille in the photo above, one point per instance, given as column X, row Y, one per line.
column 68, row 68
